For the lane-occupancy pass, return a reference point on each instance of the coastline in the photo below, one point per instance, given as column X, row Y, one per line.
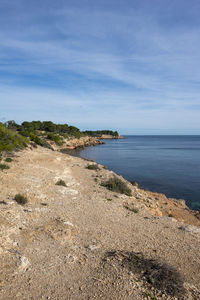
column 168, row 206
column 75, row 143
column 76, row 225
column 157, row 164
column 111, row 137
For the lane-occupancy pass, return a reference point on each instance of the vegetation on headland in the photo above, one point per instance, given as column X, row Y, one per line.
column 99, row 133
column 10, row 139
column 15, row 136
column 46, row 129
column 117, row 185
column 93, row 167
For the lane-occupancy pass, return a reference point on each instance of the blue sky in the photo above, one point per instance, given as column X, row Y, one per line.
column 128, row 65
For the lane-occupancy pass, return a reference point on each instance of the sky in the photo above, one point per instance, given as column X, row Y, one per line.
column 126, row 65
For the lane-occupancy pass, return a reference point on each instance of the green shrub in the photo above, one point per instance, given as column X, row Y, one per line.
column 4, row 167
column 11, row 140
column 92, row 167
column 55, row 138
column 109, row 199
column 65, row 135
column 20, row 199
column 25, row 133
column 8, row 159
column 61, row 182
column 117, row 185
column 35, row 138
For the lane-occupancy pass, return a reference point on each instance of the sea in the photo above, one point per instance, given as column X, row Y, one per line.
column 165, row 164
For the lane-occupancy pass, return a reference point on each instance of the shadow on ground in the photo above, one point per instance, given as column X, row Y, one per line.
column 163, row 277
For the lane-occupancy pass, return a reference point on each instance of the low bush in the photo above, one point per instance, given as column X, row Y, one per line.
column 92, row 167
column 39, row 141
column 61, row 182
column 35, row 138
column 25, row 133
column 20, row 199
column 45, row 144
column 8, row 159
column 117, row 185
column 55, row 138
column 4, row 167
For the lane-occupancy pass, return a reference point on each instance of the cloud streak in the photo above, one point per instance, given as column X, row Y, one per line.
column 99, row 59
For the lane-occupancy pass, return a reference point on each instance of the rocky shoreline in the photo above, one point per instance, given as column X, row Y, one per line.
column 75, row 143
column 111, row 137
column 157, row 203
column 83, row 241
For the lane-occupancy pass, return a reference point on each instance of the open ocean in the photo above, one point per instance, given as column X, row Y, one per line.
column 166, row 164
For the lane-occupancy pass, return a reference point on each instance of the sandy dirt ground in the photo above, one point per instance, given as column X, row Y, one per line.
column 82, row 241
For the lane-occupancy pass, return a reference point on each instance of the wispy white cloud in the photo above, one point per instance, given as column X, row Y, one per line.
column 107, row 62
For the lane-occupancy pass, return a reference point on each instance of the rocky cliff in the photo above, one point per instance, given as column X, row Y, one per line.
column 73, row 143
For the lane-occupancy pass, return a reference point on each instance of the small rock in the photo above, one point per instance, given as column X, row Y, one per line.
column 190, row 228
column 68, row 223
column 93, row 247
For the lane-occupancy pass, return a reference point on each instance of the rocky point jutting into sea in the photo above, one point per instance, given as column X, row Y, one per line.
column 80, row 240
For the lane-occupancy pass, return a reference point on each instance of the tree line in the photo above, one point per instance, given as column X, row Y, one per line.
column 13, row 135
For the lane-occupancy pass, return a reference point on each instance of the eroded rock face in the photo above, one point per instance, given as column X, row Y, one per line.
column 73, row 143
column 82, row 142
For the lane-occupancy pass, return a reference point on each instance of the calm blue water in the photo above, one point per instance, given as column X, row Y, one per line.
column 167, row 164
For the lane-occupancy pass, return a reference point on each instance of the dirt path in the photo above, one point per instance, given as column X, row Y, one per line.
column 81, row 241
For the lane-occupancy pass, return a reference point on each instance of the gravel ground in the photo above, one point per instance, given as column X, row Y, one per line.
column 82, row 241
